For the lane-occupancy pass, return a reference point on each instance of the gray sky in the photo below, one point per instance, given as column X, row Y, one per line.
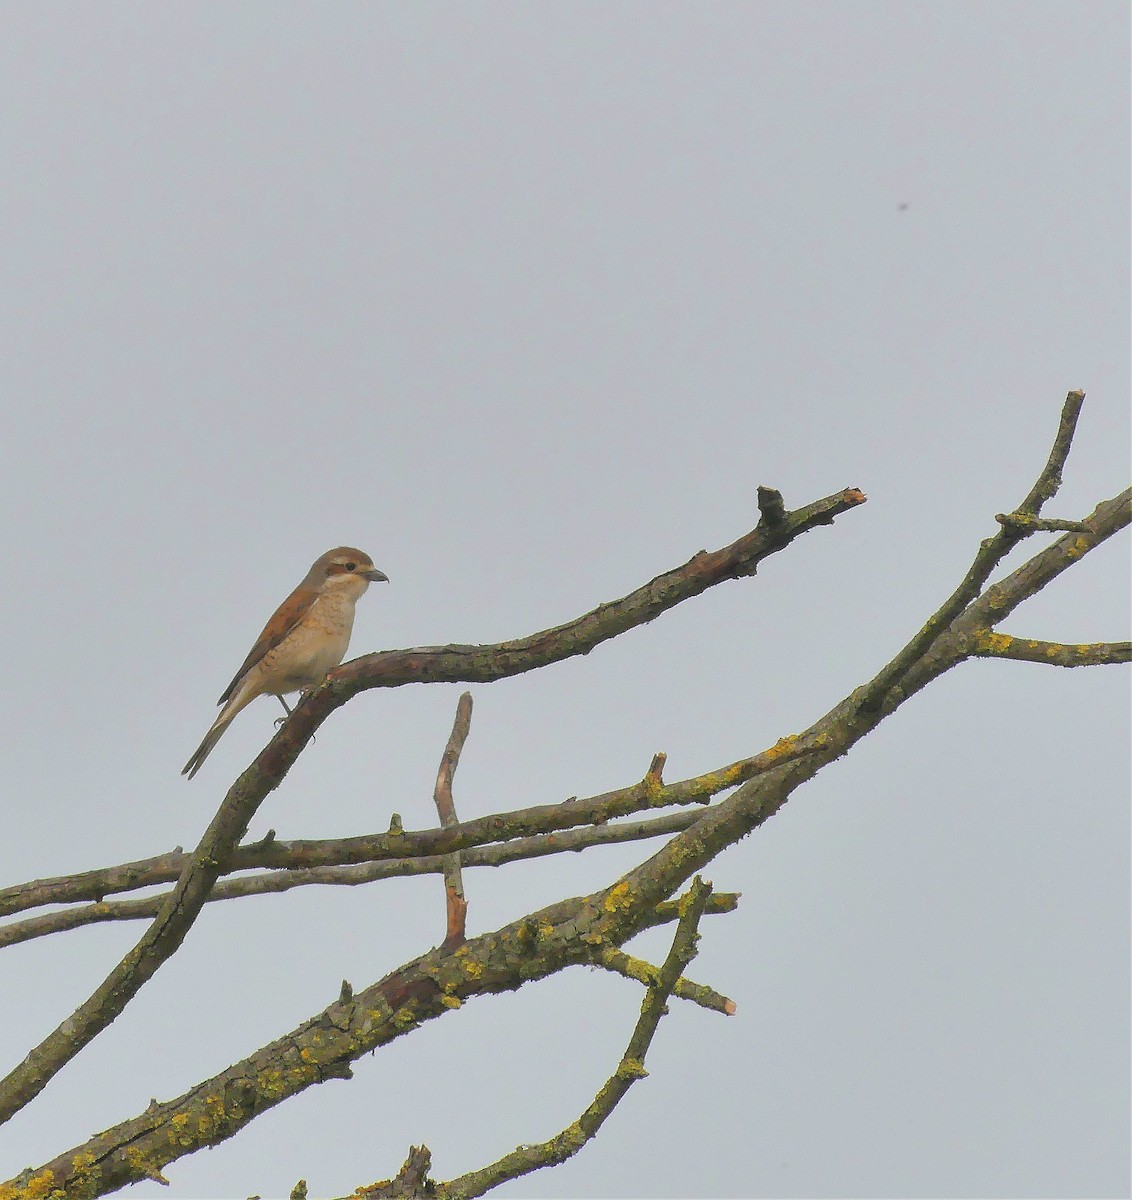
column 526, row 300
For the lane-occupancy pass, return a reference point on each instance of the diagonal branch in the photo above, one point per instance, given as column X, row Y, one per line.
column 412, row 1180
column 486, row 664
column 1001, row 599
column 571, row 931
column 469, row 663
column 991, row 552
column 963, row 638
column 24, row 1082
column 839, row 730
column 323, row 1047
column 525, row 1159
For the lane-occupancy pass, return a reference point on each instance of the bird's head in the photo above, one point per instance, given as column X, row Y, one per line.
column 345, row 567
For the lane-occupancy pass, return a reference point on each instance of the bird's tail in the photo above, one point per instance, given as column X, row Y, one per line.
column 205, row 748
column 237, row 702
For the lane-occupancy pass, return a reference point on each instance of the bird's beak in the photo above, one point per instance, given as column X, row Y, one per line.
column 376, row 576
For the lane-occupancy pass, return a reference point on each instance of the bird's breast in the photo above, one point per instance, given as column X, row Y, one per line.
column 316, row 645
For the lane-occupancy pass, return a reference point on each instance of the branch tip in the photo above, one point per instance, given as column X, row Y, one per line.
column 1026, row 524
column 772, row 507
column 412, row 1180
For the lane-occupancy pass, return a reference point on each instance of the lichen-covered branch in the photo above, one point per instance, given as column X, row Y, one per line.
column 271, row 882
column 649, row 793
column 587, row 930
column 413, row 1181
column 989, row 644
column 410, row 1183
column 839, row 730
column 991, row 552
column 1030, row 524
column 1003, row 597
column 448, row 664
column 971, row 627
column 525, row 1159
column 379, row 855
column 644, row 972
column 322, row 1048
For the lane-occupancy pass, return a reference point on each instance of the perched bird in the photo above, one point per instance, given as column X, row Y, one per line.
column 306, row 637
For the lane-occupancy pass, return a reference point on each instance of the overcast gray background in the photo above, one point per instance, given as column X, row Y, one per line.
column 525, row 300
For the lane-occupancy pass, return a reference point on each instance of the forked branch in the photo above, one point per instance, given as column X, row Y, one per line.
column 525, row 1159
column 590, row 929
column 437, row 664
column 990, row 554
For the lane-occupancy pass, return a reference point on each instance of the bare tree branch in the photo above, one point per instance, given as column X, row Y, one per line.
column 571, row 931
column 485, row 664
column 410, row 1183
column 412, row 1180
column 1002, row 598
column 271, row 882
column 1055, row 654
column 323, row 1047
column 992, row 551
column 650, row 793
column 1028, row 524
column 456, row 906
column 589, row 929
column 840, row 729
column 644, row 972
column 525, row 1159
column 451, row 663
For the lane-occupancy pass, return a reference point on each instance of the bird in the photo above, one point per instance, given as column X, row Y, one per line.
column 306, row 638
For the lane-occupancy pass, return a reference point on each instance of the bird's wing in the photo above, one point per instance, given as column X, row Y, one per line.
column 286, row 617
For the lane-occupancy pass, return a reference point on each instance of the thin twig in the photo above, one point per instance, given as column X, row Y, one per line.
column 617, row 961
column 455, row 905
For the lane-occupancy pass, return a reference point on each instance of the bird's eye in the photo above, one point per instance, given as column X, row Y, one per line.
column 351, row 566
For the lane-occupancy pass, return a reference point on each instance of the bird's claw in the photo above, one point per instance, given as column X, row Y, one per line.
column 281, row 720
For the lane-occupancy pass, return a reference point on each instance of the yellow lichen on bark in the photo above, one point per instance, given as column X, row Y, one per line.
column 782, row 747
column 618, row 897
column 38, row 1187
